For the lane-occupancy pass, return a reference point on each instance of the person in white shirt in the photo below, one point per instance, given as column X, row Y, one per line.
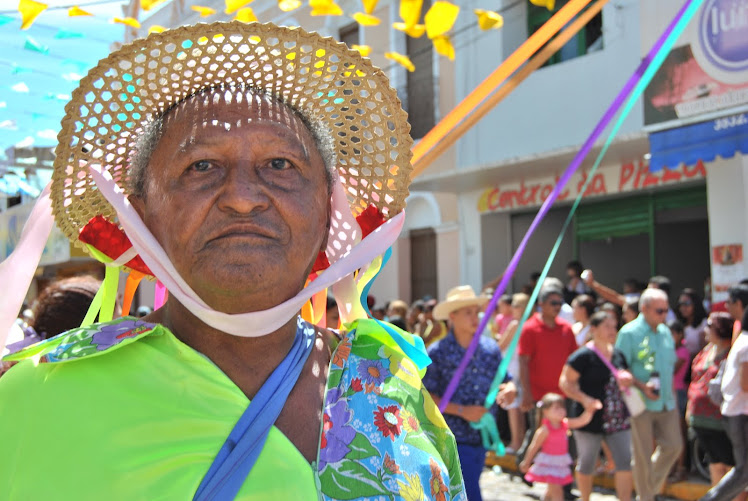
column 735, row 411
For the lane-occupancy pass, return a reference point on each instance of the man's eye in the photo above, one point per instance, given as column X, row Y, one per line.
column 280, row 164
column 201, row 165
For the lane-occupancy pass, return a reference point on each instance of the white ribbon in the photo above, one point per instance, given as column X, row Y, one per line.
column 350, row 254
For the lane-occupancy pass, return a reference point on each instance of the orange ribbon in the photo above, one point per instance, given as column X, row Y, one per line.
column 475, row 106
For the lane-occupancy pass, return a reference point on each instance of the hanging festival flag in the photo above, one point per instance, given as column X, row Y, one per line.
column 149, row 4
column 440, row 18
column 127, row 21
column 366, row 19
column 30, row 10
column 35, row 46
column 289, row 5
column 203, row 11
column 364, row 50
column 410, row 11
column 77, row 11
column 245, row 15
column 488, row 19
column 548, row 4
column 18, row 70
column 325, row 8
column 234, row 5
column 65, row 34
column 401, row 59
column 156, row 28
column 415, row 31
column 20, row 87
column 443, row 45
column 5, row 20
column 370, row 5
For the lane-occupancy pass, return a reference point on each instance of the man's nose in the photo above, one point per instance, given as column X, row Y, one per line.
column 243, row 191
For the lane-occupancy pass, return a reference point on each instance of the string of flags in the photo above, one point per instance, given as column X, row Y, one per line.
column 437, row 24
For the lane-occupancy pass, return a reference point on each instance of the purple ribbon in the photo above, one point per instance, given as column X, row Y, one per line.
column 570, row 170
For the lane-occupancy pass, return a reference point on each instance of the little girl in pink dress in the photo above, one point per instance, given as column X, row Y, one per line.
column 548, row 452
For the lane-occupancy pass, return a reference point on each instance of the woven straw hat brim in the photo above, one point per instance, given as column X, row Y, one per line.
column 443, row 309
column 142, row 80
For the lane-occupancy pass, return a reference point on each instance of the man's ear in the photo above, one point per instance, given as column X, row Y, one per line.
column 137, row 203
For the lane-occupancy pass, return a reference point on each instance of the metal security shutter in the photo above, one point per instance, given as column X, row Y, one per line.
column 614, row 218
column 678, row 199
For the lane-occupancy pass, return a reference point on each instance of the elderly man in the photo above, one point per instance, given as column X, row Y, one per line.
column 461, row 308
column 649, row 349
column 234, row 187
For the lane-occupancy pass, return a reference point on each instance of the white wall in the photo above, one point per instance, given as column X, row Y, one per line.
column 556, row 106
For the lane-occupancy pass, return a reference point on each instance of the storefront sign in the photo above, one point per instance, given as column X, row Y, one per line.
column 727, row 270
column 12, row 220
column 606, row 181
column 707, row 74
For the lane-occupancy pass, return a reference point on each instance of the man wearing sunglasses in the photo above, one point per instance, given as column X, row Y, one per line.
column 649, row 349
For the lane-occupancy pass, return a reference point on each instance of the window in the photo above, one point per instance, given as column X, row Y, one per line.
column 589, row 39
column 349, row 34
column 420, row 84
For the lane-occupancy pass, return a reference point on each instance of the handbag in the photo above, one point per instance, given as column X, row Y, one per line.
column 631, row 396
column 714, row 389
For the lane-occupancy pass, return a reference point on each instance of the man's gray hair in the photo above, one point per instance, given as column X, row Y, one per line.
column 548, row 290
column 650, row 295
column 153, row 130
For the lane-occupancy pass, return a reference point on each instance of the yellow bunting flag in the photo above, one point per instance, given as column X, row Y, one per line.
column 156, row 28
column 440, row 18
column 29, row 10
column 415, row 31
column 289, row 5
column 127, row 21
column 366, row 19
column 149, row 4
column 364, row 50
column 370, row 5
column 401, row 59
column 77, row 11
column 246, row 15
column 325, row 8
column 488, row 19
column 203, row 11
column 234, row 5
column 548, row 4
column 410, row 11
column 443, row 46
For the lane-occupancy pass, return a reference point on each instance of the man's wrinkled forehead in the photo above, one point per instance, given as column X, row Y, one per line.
column 232, row 109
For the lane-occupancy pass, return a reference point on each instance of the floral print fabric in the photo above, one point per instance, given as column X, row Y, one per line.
column 382, row 435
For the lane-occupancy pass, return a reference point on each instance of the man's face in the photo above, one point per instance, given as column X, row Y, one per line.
column 465, row 319
column 236, row 193
column 551, row 307
column 655, row 311
column 735, row 308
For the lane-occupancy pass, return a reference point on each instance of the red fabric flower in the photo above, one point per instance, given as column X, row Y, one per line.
column 388, row 421
column 369, row 220
column 356, row 385
column 108, row 238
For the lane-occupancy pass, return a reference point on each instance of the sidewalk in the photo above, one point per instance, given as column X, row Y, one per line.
column 690, row 490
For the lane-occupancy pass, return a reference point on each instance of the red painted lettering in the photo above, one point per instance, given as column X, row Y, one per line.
column 627, row 170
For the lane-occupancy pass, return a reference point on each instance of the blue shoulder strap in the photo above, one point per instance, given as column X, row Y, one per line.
column 236, row 458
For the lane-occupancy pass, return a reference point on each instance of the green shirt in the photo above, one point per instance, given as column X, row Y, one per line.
column 647, row 351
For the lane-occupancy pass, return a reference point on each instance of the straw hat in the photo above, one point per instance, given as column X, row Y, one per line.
column 144, row 79
column 457, row 298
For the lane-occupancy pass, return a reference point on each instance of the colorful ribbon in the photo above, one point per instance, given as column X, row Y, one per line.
column 653, row 54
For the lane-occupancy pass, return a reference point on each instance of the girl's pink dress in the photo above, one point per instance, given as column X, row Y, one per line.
column 552, row 465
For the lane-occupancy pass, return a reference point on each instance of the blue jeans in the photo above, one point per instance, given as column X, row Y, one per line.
column 472, row 460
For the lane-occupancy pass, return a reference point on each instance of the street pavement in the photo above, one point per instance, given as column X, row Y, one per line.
column 499, row 486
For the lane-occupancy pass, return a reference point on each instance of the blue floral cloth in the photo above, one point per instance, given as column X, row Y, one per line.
column 446, row 355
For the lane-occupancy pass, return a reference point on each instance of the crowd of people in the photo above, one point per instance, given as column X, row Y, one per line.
column 632, row 373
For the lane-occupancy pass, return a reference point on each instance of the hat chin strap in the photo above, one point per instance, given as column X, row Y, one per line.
column 346, row 251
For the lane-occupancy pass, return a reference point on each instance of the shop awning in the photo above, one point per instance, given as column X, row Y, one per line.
column 702, row 141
